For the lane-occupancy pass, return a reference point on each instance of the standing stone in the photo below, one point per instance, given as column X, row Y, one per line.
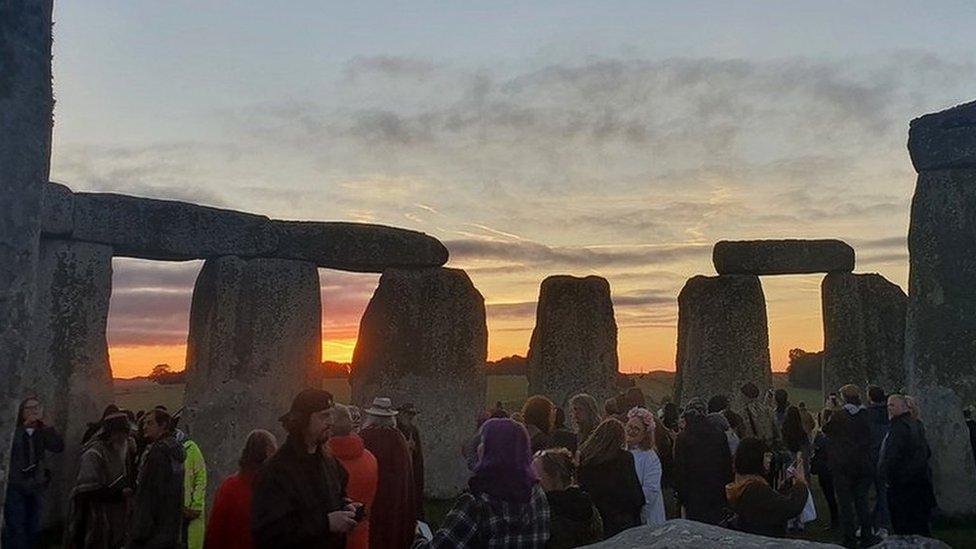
column 953, row 469
column 940, row 332
column 864, row 331
column 255, row 338
column 26, row 106
column 69, row 368
column 723, row 339
column 574, row 344
column 423, row 339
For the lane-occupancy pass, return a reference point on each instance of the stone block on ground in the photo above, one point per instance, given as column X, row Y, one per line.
column 423, row 339
column 778, row 257
column 357, row 247
column 254, row 343
column 864, row 331
column 944, row 139
column 574, row 344
column 57, row 210
column 953, row 468
column 682, row 533
column 168, row 229
column 723, row 338
column 940, row 337
column 69, row 365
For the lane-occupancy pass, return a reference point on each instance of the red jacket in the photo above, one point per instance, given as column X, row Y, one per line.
column 230, row 518
column 361, row 466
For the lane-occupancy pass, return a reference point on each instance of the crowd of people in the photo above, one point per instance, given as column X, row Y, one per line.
column 541, row 477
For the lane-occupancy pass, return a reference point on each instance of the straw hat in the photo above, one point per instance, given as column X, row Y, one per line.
column 383, row 407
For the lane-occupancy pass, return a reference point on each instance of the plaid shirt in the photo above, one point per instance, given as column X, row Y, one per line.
column 484, row 521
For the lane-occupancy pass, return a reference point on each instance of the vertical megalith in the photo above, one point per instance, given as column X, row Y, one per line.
column 68, row 366
column 423, row 339
column 723, row 339
column 26, row 106
column 255, row 338
column 940, row 331
column 574, row 344
column 864, row 331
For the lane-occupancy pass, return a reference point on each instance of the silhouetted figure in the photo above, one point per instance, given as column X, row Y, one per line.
column 702, row 466
column 563, row 436
column 157, row 519
column 904, row 466
column 758, row 508
column 573, row 519
column 607, row 472
column 29, row 476
column 405, row 417
column 585, row 415
column 757, row 421
column 820, row 466
column 877, row 410
column 539, row 414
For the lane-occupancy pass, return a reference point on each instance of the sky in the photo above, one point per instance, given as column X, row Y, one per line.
column 620, row 139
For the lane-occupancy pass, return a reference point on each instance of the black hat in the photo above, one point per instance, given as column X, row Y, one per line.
column 116, row 421
column 408, row 408
column 307, row 403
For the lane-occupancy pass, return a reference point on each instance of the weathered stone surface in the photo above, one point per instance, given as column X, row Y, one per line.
column 940, row 340
column 944, row 139
column 57, row 210
column 255, row 337
column 679, row 533
column 911, row 542
column 953, row 469
column 864, row 331
column 574, row 344
column 423, row 339
column 357, row 246
column 777, row 257
column 68, row 366
column 26, row 106
column 168, row 229
column 723, row 338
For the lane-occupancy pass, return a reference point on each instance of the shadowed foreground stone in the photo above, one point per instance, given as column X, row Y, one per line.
column 777, row 257
column 68, row 366
column 57, row 210
column 254, row 341
column 678, row 533
column 423, row 339
column 26, row 105
column 944, row 139
column 940, row 339
column 864, row 331
column 574, row 344
column 953, row 468
column 723, row 339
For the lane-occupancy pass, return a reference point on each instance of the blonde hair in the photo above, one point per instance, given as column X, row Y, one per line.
column 586, row 404
column 605, row 441
column 341, row 420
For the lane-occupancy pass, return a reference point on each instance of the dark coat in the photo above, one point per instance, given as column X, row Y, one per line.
column 761, row 510
column 616, row 491
column 849, row 442
column 702, row 468
column 412, row 435
column 27, row 469
column 564, row 438
column 878, row 419
column 394, row 515
column 904, row 466
column 157, row 521
column 293, row 496
column 573, row 520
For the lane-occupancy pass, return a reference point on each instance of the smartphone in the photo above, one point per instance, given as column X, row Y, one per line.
column 360, row 513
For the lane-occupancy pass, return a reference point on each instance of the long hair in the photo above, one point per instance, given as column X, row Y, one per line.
column 604, row 443
column 260, row 444
column 23, row 404
column 505, row 468
column 540, row 412
column 558, row 463
column 794, row 435
column 587, row 414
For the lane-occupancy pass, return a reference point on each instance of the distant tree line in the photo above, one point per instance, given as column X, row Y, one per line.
column 805, row 369
column 163, row 374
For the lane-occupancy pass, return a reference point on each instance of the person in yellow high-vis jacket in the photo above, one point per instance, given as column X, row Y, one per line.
column 194, row 492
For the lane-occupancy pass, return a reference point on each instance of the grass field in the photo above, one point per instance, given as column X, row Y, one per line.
column 511, row 391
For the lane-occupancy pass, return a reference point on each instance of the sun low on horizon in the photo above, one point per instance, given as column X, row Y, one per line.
column 613, row 140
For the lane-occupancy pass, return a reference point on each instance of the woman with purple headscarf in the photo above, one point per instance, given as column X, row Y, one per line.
column 504, row 506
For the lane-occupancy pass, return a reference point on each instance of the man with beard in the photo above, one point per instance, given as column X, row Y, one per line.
column 300, row 496
column 157, row 521
column 97, row 512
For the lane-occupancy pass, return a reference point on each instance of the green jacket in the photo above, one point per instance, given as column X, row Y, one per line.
column 194, row 492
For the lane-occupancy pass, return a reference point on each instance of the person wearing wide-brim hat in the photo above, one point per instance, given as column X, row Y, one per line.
column 410, row 432
column 299, row 498
column 394, row 513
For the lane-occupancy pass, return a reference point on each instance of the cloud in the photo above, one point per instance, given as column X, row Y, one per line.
column 543, row 256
